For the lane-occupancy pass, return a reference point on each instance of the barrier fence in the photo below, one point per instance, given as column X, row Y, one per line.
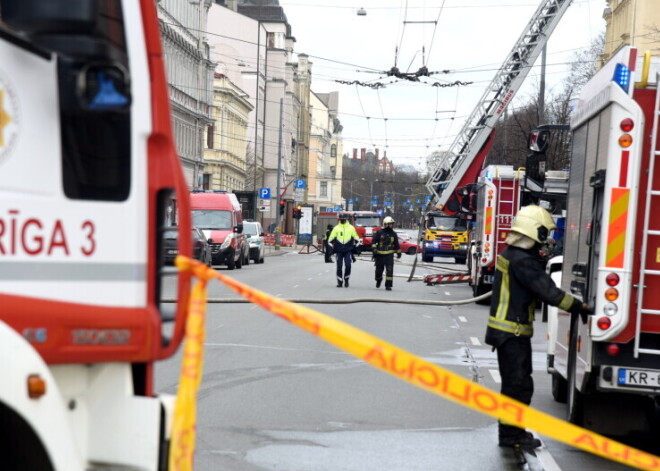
column 285, row 239
column 384, row 356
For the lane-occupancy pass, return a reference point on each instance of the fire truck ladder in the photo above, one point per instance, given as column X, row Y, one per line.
column 512, row 203
column 456, row 161
column 652, row 201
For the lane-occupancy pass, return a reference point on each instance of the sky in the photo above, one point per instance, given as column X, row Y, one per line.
column 470, row 39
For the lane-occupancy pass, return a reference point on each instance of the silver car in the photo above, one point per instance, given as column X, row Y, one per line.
column 255, row 234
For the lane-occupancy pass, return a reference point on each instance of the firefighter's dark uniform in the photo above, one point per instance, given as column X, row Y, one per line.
column 326, row 245
column 385, row 244
column 519, row 282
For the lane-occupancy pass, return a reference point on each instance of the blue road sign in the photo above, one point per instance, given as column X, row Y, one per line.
column 300, row 183
column 350, row 201
column 264, row 193
column 388, row 203
column 427, row 198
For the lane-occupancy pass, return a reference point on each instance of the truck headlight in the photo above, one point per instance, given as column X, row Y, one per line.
column 227, row 241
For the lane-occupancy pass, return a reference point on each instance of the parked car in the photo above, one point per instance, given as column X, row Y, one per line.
column 201, row 247
column 255, row 235
column 407, row 244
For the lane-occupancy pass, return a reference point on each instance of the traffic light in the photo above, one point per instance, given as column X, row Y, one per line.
column 297, row 213
column 282, row 207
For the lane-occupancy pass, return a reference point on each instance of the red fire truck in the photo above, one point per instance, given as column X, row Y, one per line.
column 499, row 193
column 607, row 370
column 366, row 224
column 88, row 178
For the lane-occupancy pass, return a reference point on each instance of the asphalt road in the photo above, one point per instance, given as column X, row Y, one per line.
column 274, row 397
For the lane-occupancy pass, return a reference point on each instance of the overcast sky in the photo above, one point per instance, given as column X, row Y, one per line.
column 472, row 38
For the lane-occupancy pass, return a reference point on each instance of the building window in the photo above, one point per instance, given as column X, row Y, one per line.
column 210, row 132
column 324, row 189
column 333, row 150
column 206, row 181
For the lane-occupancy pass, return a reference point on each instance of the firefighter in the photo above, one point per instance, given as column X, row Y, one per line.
column 343, row 238
column 385, row 244
column 326, row 245
column 519, row 282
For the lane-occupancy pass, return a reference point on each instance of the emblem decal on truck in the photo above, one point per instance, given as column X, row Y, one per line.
column 9, row 118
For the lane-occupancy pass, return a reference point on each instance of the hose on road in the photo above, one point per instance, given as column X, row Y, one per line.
column 353, row 301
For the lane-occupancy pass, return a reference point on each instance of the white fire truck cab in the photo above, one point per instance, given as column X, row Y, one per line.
column 608, row 370
column 88, row 179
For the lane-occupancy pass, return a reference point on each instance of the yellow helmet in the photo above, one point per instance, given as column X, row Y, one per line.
column 388, row 220
column 534, row 222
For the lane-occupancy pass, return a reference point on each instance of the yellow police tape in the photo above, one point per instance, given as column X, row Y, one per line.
column 425, row 375
column 182, row 442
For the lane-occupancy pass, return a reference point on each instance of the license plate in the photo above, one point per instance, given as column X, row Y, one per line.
column 649, row 379
column 172, row 251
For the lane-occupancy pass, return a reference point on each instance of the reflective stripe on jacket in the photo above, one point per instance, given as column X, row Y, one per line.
column 519, row 282
column 385, row 242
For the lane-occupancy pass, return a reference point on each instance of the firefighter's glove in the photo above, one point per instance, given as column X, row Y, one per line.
column 583, row 309
column 398, row 255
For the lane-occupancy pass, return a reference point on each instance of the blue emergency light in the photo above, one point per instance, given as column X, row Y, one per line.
column 107, row 98
column 622, row 77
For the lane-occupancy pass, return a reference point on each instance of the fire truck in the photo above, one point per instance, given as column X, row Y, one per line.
column 89, row 180
column 366, row 224
column 607, row 370
column 444, row 236
column 495, row 199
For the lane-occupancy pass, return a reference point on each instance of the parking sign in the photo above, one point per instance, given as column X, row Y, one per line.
column 264, row 193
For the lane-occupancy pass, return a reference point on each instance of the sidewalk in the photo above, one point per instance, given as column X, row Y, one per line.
column 295, row 248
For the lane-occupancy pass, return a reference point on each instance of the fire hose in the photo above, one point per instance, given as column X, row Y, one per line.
column 352, row 301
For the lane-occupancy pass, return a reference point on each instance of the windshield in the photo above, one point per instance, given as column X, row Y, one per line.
column 367, row 221
column 212, row 219
column 250, row 229
column 445, row 223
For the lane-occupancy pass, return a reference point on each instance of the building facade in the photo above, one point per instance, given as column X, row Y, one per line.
column 633, row 22
column 190, row 75
column 226, row 154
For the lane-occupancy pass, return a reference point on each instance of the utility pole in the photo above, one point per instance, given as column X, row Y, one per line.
column 278, row 216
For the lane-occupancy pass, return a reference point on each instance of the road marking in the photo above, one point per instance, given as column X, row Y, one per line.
column 546, row 459
column 496, row 375
column 462, row 318
column 475, row 341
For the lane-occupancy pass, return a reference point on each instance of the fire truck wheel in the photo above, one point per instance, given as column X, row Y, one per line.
column 427, row 258
column 559, row 388
column 239, row 262
column 460, row 260
column 231, row 262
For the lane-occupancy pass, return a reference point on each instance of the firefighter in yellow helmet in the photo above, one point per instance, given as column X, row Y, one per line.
column 385, row 244
column 520, row 281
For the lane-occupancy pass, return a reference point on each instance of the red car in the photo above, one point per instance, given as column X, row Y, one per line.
column 407, row 244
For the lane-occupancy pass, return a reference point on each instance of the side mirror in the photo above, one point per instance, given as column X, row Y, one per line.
column 238, row 228
column 209, row 240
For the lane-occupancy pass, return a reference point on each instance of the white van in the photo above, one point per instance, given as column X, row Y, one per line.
column 255, row 235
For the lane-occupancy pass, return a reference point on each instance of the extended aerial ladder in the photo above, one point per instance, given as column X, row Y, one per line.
column 462, row 162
